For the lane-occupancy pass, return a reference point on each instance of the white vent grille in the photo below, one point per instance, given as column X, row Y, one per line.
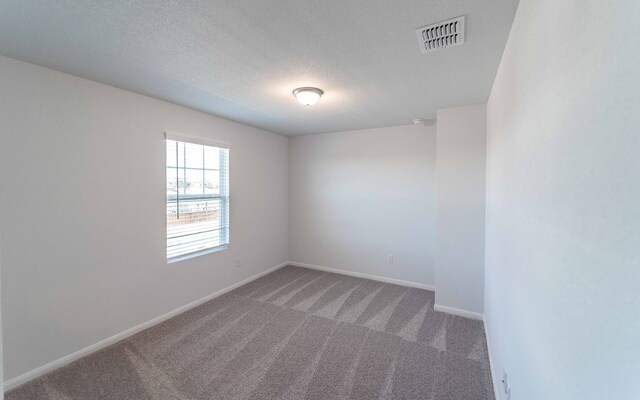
column 443, row 34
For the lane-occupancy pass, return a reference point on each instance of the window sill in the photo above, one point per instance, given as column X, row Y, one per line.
column 198, row 253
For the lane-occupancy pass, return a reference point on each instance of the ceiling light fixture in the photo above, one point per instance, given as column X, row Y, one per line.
column 308, row 95
column 427, row 122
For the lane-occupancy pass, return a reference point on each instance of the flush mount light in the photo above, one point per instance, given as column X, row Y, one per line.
column 308, row 95
column 427, row 122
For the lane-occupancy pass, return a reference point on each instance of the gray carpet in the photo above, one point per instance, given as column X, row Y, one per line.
column 293, row 334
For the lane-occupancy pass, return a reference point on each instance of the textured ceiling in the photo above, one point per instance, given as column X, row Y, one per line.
column 242, row 59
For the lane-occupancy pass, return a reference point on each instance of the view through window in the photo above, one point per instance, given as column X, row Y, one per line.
column 197, row 198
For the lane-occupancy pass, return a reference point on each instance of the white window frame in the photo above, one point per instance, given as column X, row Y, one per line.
column 226, row 198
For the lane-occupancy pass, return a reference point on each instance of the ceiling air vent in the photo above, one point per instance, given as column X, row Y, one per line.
column 443, row 34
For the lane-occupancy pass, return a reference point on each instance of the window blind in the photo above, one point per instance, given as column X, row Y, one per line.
column 197, row 197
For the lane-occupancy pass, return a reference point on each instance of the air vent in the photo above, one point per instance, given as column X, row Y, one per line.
column 443, row 34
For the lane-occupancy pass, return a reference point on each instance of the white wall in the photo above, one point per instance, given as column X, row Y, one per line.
column 460, row 210
column 83, row 211
column 357, row 196
column 563, row 202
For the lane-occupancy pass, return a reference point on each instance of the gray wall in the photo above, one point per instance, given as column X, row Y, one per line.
column 82, row 171
column 357, row 196
column 562, row 296
column 1, row 344
column 460, row 210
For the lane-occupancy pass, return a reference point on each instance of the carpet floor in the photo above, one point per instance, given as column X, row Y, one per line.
column 293, row 334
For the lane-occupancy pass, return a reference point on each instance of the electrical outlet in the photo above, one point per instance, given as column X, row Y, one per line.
column 239, row 262
column 505, row 381
column 390, row 258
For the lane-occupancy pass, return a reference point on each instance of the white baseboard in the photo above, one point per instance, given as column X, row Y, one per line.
column 365, row 276
column 491, row 366
column 459, row 312
column 61, row 362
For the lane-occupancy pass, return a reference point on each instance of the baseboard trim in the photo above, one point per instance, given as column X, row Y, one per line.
column 365, row 276
column 61, row 362
column 493, row 372
column 459, row 312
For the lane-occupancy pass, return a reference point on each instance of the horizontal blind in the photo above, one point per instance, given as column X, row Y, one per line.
column 197, row 197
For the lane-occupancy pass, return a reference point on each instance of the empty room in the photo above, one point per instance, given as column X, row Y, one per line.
column 320, row 200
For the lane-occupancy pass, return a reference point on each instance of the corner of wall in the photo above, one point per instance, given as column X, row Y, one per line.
column 460, row 209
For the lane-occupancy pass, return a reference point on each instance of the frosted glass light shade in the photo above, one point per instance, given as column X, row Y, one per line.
column 308, row 95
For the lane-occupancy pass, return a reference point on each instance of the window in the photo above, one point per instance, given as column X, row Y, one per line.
column 197, row 198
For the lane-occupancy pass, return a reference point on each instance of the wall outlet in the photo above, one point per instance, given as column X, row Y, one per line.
column 239, row 262
column 505, row 384
column 390, row 258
